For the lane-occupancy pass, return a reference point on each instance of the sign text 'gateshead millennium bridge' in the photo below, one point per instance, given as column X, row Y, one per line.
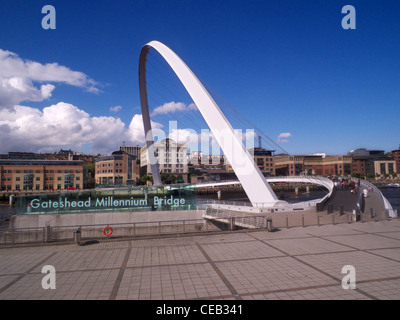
column 105, row 202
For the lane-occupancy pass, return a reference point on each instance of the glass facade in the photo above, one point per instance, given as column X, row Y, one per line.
column 144, row 198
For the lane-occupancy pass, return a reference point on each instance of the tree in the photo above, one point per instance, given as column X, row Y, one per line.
column 146, row 178
column 171, row 178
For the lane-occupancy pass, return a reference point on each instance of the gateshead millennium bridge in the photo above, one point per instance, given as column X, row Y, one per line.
column 250, row 177
column 255, row 185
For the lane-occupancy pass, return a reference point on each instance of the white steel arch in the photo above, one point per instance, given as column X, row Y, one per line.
column 251, row 178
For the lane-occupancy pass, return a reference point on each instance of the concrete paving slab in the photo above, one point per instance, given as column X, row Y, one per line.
column 296, row 263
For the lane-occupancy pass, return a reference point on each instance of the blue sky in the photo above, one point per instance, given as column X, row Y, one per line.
column 288, row 66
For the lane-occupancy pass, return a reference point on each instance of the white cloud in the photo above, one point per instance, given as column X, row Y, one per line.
column 17, row 78
column 135, row 132
column 188, row 137
column 115, row 109
column 171, row 107
column 282, row 136
column 64, row 125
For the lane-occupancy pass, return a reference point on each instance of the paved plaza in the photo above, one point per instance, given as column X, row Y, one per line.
column 295, row 263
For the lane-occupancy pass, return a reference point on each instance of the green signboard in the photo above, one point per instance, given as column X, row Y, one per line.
column 146, row 198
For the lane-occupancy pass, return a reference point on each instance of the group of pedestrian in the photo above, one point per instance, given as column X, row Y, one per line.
column 344, row 184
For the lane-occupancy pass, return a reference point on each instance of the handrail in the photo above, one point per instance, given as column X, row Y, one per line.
column 385, row 201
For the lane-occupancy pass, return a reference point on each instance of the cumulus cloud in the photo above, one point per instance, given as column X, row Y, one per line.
column 188, row 137
column 282, row 137
column 64, row 125
column 115, row 109
column 171, row 107
column 135, row 132
column 18, row 77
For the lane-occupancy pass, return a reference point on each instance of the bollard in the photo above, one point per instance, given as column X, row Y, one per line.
column 296, row 190
column 77, row 235
column 11, row 200
column 287, row 222
column 47, row 232
column 330, row 208
column 354, row 218
column 341, row 209
column 308, row 189
column 269, row 224
column 372, row 212
column 318, row 221
column 333, row 219
column 302, row 220
column 232, row 224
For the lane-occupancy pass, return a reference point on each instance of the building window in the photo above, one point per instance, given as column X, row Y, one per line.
column 28, row 181
column 68, row 181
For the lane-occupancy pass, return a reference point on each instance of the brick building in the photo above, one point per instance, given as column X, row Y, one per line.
column 38, row 174
column 293, row 165
column 119, row 168
column 396, row 158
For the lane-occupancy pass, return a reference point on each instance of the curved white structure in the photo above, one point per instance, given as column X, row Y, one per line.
column 251, row 178
column 316, row 180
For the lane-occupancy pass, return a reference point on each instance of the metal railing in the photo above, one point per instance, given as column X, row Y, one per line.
column 388, row 207
column 235, row 219
column 119, row 230
column 214, row 220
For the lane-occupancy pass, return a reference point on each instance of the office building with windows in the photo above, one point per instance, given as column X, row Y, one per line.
column 318, row 164
column 171, row 158
column 119, row 169
column 37, row 174
column 132, row 150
